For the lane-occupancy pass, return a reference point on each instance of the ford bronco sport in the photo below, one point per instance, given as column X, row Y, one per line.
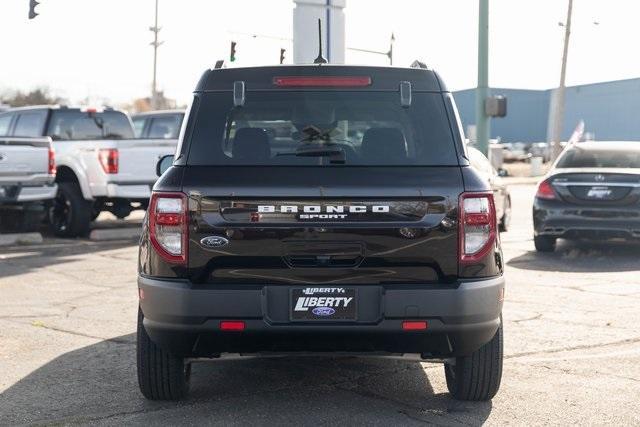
column 321, row 209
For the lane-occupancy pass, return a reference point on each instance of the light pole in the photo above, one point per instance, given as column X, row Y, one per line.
column 482, row 91
column 558, row 122
column 155, row 43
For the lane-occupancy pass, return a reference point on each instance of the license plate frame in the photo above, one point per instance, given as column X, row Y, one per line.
column 310, row 304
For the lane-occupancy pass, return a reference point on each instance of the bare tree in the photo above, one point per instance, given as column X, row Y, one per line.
column 38, row 96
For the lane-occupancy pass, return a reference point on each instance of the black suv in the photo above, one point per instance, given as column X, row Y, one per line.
column 321, row 209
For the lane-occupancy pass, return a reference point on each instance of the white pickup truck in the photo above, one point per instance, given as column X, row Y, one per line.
column 100, row 166
column 27, row 173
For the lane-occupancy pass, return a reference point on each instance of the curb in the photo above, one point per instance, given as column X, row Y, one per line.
column 102, row 235
column 20, row 239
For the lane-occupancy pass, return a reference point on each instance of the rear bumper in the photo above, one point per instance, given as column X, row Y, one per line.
column 138, row 191
column 186, row 320
column 558, row 219
column 22, row 194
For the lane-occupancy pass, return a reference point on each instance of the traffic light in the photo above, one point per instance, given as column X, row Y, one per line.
column 282, row 51
column 232, row 55
column 32, row 9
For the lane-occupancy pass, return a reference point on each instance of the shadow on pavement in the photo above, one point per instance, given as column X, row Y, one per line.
column 98, row 383
column 582, row 257
column 18, row 260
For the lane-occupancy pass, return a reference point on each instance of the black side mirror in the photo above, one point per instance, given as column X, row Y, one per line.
column 503, row 172
column 164, row 163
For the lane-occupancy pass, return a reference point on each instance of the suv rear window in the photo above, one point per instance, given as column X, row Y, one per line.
column 322, row 128
column 80, row 125
column 579, row 158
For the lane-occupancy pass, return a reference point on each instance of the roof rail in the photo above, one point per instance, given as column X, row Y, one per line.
column 219, row 64
column 419, row 64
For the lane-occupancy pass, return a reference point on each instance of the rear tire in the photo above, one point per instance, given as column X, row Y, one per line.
column 477, row 377
column 544, row 243
column 161, row 375
column 70, row 214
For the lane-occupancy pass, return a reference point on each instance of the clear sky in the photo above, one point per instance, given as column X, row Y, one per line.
column 101, row 48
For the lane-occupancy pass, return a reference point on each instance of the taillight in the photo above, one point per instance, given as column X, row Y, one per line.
column 168, row 226
column 477, row 226
column 545, row 191
column 51, row 170
column 109, row 160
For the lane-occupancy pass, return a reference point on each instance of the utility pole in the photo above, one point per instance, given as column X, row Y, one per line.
column 558, row 120
column 482, row 91
column 155, row 43
column 390, row 54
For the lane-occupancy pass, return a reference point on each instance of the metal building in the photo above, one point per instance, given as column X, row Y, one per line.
column 610, row 110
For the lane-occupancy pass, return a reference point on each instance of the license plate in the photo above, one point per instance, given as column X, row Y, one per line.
column 599, row 193
column 324, row 304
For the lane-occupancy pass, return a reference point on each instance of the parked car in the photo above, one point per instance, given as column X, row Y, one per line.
column 163, row 124
column 279, row 230
column 592, row 191
column 541, row 149
column 515, row 151
column 501, row 195
column 100, row 166
column 27, row 174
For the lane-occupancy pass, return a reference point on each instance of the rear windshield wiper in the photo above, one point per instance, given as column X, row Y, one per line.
column 335, row 154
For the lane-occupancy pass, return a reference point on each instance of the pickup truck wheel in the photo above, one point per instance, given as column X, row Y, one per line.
column 70, row 214
column 477, row 376
column 161, row 375
column 544, row 243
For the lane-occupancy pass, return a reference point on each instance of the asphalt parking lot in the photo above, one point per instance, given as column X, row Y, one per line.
column 572, row 352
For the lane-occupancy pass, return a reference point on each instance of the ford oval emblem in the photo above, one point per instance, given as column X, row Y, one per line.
column 214, row 242
column 323, row 311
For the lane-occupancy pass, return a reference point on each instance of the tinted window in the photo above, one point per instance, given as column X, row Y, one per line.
column 138, row 126
column 5, row 121
column 580, row 158
column 166, row 126
column 76, row 124
column 30, row 123
column 322, row 128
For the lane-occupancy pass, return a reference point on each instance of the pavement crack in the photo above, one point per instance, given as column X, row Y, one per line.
column 536, row 317
column 572, row 348
column 81, row 334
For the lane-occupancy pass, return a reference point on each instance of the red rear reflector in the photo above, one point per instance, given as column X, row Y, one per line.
column 141, row 293
column 545, row 191
column 414, row 325
column 232, row 325
column 322, row 81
